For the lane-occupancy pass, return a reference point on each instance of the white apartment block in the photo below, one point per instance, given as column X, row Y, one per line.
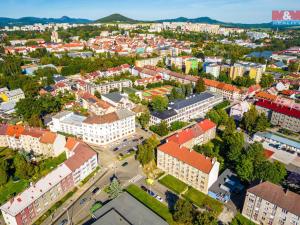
column 106, row 129
column 213, row 69
column 105, row 88
column 270, row 204
column 67, row 122
column 191, row 167
column 192, row 107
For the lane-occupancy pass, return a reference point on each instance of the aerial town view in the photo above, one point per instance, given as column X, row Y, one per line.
column 162, row 112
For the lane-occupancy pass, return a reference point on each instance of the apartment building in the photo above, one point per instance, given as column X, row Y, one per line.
column 198, row 134
column 29, row 205
column 149, row 61
column 228, row 91
column 268, row 203
column 34, row 140
column 194, row 106
column 34, row 201
column 191, row 167
column 81, row 159
column 105, row 88
column 103, row 130
column 255, row 70
column 67, row 122
column 12, row 95
column 213, row 69
column 280, row 115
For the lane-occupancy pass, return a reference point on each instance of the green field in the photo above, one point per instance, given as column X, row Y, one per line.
column 173, row 183
column 153, row 204
column 12, row 188
column 239, row 219
column 204, row 201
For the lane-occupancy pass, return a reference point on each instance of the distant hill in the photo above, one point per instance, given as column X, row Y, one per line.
column 116, row 18
column 32, row 20
column 212, row 21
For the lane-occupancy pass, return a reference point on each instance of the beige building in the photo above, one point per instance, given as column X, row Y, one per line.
column 191, row 167
column 269, row 203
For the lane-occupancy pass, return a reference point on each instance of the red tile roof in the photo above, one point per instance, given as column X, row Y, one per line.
column 279, row 108
column 268, row 153
column 71, row 142
column 206, row 125
column 265, row 95
column 34, row 132
column 192, row 132
column 48, row 138
column 221, row 85
column 15, row 130
column 82, row 154
column 187, row 156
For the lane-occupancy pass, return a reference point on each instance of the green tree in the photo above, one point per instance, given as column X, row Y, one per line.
column 176, row 93
column 23, row 169
column 266, row 80
column 97, row 94
column 3, row 176
column 115, row 188
column 200, row 86
column 159, row 103
column 183, row 212
column 145, row 152
column 205, row 218
column 144, row 119
column 234, row 144
column 214, row 116
column 134, row 98
column 245, row 169
column 230, row 127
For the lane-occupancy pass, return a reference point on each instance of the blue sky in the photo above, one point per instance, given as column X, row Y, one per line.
column 247, row 11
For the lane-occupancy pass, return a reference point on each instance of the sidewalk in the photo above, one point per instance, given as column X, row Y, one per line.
column 81, row 190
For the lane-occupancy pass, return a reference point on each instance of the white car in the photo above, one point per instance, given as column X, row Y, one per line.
column 159, row 198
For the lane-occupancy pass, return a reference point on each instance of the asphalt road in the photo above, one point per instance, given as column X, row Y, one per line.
column 79, row 212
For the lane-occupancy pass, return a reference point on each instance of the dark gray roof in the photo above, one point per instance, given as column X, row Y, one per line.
column 179, row 104
column 126, row 210
column 227, row 182
column 165, row 114
column 114, row 96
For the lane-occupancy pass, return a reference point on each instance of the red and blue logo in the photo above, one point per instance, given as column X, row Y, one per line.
column 286, row 17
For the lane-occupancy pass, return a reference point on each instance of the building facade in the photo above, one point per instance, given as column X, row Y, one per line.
column 191, row 167
column 268, row 203
column 192, row 107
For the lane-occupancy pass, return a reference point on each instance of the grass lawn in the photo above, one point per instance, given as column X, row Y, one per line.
column 204, row 201
column 173, row 183
column 239, row 219
column 12, row 188
column 49, row 164
column 153, row 204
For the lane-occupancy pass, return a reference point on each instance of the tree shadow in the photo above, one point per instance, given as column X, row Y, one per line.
column 171, row 199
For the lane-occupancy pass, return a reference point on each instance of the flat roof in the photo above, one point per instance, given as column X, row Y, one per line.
column 126, row 210
column 280, row 139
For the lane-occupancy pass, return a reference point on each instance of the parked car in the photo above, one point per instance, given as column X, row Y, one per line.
column 96, row 190
column 116, row 149
column 124, row 140
column 151, row 193
column 125, row 164
column 144, row 188
column 159, row 198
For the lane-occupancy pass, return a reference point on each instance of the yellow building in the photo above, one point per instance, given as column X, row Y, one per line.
column 236, row 71
column 255, row 73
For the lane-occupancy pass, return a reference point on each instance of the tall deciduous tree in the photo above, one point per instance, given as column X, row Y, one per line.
column 115, row 188
column 159, row 103
column 183, row 212
column 200, row 86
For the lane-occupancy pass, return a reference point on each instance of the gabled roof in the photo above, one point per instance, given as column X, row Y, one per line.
column 277, row 195
column 82, row 154
column 48, row 137
column 71, row 143
column 187, row 156
column 279, row 108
